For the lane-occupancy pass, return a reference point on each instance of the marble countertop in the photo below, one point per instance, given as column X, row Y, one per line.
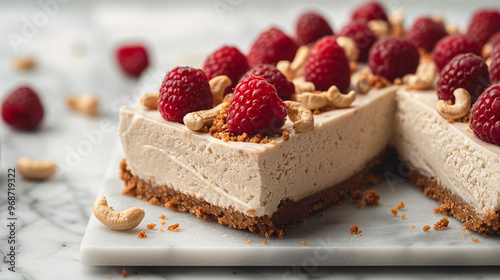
column 73, row 45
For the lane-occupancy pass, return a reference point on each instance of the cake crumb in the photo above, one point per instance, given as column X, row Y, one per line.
column 337, row 208
column 467, row 231
column 427, row 228
column 399, row 206
column 151, row 226
column 163, row 223
column 450, row 120
column 286, row 135
column 161, row 229
column 304, row 243
column 124, row 273
column 475, row 240
column 442, row 223
column 251, row 212
column 265, row 242
column 107, row 276
column 465, row 226
column 372, row 198
column 142, row 234
column 484, row 234
column 248, row 241
column 322, row 214
column 355, row 230
column 413, row 226
column 442, row 209
column 403, row 216
column 357, row 197
column 163, row 217
column 173, row 227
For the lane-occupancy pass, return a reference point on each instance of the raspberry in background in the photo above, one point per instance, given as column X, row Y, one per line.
column 133, row 59
column 483, row 25
column 467, row 71
column 393, row 57
column 494, row 68
column 328, row 65
column 485, row 116
column 362, row 35
column 228, row 61
column 452, row 45
column 184, row 90
column 369, row 11
column 22, row 109
column 311, row 27
column 284, row 88
column 272, row 46
column 425, row 33
column 255, row 108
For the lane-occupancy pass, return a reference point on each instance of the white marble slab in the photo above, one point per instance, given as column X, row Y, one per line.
column 386, row 240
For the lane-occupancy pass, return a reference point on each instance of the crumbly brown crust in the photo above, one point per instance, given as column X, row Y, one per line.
column 289, row 212
column 453, row 205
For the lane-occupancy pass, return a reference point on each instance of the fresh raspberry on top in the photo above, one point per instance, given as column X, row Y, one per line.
column 483, row 25
column 328, row 65
column 393, row 57
column 362, row 35
column 284, row 88
column 22, row 109
column 425, row 33
column 255, row 108
column 133, row 59
column 184, row 90
column 272, row 46
column 311, row 27
column 452, row 45
column 485, row 116
column 369, row 11
column 227, row 61
column 467, row 71
column 495, row 65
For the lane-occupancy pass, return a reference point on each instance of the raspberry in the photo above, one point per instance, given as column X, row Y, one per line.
column 393, row 57
column 22, row 109
column 328, row 65
column 255, row 108
column 369, row 11
column 425, row 33
column 227, row 61
column 311, row 27
column 495, row 65
column 284, row 88
column 483, row 25
column 270, row 47
column 485, row 116
column 133, row 59
column 495, row 39
column 362, row 35
column 184, row 90
column 452, row 45
column 467, row 71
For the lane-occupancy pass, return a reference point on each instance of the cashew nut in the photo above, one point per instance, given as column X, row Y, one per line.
column 218, row 87
column 488, row 62
column 459, row 109
column 361, row 82
column 36, row 169
column 423, row 77
column 301, row 85
column 379, row 27
column 150, row 100
column 349, row 46
column 452, row 29
column 332, row 97
column 302, row 117
column 396, row 20
column 195, row 121
column 438, row 18
column 87, row 104
column 24, row 63
column 296, row 67
column 487, row 49
column 123, row 220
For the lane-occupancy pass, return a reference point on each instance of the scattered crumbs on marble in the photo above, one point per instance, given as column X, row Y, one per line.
column 355, row 230
column 163, row 217
column 107, row 276
column 337, row 208
column 413, row 226
column 395, row 209
column 322, row 214
column 304, row 243
column 442, row 223
column 161, row 229
column 124, row 273
column 403, row 216
column 248, row 241
column 163, row 223
column 467, row 231
column 265, row 242
column 142, row 234
column 475, row 240
column 427, row 228
column 484, row 234
column 151, row 226
column 173, row 227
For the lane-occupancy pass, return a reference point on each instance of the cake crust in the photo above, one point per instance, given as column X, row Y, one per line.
column 288, row 214
column 451, row 204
